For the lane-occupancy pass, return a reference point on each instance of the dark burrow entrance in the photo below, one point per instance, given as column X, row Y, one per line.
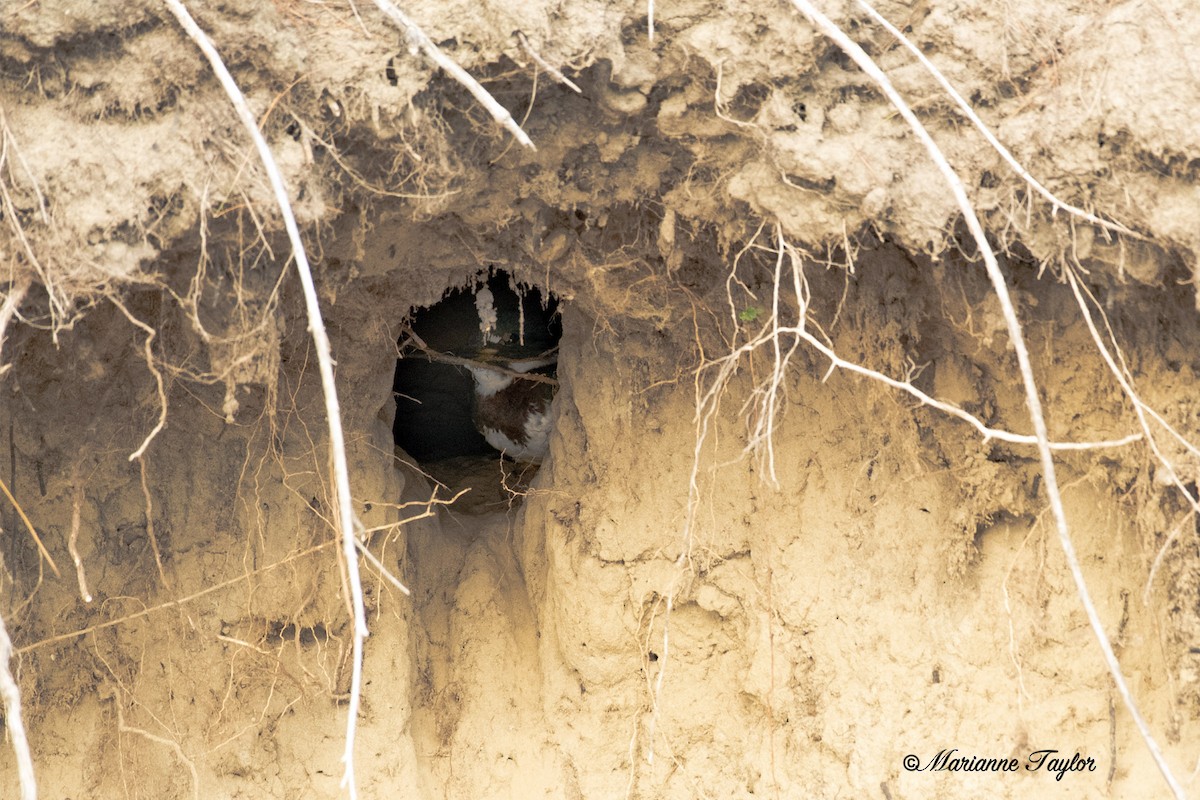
column 475, row 379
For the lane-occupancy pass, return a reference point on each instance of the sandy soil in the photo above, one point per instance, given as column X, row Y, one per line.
column 677, row 604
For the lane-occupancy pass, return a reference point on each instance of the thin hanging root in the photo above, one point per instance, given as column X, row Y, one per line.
column 707, row 399
column 458, row 361
column 170, row 744
column 11, row 695
column 1016, row 336
column 553, row 71
column 418, row 38
column 179, row 602
column 999, row 434
column 8, row 209
column 337, row 443
column 1144, row 414
column 969, row 113
column 375, row 562
column 162, row 575
column 72, row 540
column 16, row 293
column 148, row 350
column 29, row 525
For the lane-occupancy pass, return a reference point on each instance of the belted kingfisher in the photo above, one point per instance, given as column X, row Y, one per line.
column 513, row 413
column 476, row 372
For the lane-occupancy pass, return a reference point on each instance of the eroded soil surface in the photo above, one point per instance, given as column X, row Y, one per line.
column 739, row 572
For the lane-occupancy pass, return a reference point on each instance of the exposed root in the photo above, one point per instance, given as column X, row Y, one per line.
column 1144, row 415
column 764, row 400
column 29, row 526
column 445, row 358
column 988, row 433
column 176, row 603
column 9, row 210
column 354, row 175
column 150, row 534
column 1055, row 203
column 8, row 309
column 170, row 744
column 428, row 510
column 664, row 658
column 375, row 562
column 148, row 351
column 422, row 41
column 553, row 71
column 1017, row 339
column 73, row 538
column 325, row 363
column 13, row 722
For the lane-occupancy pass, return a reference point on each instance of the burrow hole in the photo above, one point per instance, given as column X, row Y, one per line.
column 475, row 380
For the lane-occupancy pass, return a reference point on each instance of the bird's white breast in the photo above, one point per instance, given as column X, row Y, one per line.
column 489, row 381
column 537, row 439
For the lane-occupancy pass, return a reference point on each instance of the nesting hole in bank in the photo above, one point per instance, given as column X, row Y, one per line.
column 475, row 379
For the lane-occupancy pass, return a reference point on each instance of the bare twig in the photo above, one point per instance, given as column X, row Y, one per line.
column 419, row 39
column 1017, row 339
column 337, row 444
column 12, row 718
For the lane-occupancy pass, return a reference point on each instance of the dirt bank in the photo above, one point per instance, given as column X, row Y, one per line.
column 738, row 572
